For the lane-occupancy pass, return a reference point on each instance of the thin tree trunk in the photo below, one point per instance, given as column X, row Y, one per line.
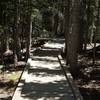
column 66, row 28
column 2, row 45
column 81, row 31
column 87, row 25
column 29, row 30
column 56, row 20
column 16, row 32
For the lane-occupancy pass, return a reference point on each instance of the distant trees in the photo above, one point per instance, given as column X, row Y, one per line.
column 15, row 27
column 21, row 20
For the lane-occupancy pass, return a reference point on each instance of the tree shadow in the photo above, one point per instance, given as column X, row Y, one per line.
column 46, row 52
column 44, row 59
column 58, row 90
column 45, row 80
column 51, row 84
column 46, row 72
column 58, row 40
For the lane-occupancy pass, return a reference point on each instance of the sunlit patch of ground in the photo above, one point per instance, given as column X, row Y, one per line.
column 54, row 45
column 9, row 77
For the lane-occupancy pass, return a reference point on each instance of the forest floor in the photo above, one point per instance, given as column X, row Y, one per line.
column 9, row 77
column 88, row 79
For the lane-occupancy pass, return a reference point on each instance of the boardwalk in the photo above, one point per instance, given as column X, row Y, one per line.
column 44, row 79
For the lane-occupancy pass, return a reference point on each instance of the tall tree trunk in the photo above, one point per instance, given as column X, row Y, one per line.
column 16, row 31
column 87, row 25
column 81, row 32
column 66, row 28
column 56, row 19
column 2, row 49
column 29, row 30
column 72, row 39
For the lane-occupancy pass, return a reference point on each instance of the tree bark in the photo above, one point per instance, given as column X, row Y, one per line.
column 29, row 30
column 56, row 19
column 96, row 31
column 73, row 36
column 16, row 32
column 2, row 46
column 66, row 28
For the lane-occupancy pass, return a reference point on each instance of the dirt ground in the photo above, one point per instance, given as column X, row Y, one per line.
column 9, row 77
column 88, row 80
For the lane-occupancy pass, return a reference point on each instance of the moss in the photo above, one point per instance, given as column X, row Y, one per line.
column 14, row 76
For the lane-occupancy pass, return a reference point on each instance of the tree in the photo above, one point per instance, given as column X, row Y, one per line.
column 73, row 34
column 29, row 28
column 66, row 28
column 16, row 31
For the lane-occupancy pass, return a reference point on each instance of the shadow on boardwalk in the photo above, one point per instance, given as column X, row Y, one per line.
column 44, row 79
column 46, row 52
column 46, row 91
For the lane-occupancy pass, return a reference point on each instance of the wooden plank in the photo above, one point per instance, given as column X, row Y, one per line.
column 69, row 78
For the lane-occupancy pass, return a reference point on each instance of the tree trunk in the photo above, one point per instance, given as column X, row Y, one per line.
column 87, row 25
column 29, row 30
column 2, row 46
column 16, row 32
column 56, row 19
column 72, row 39
column 97, row 31
column 66, row 28
column 81, row 31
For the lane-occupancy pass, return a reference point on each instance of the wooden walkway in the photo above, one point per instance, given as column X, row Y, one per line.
column 44, row 79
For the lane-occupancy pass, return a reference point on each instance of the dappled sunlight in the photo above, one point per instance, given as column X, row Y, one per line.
column 49, row 49
column 44, row 71
column 44, row 64
column 50, row 98
column 47, row 91
column 54, row 45
column 43, row 77
column 90, row 46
